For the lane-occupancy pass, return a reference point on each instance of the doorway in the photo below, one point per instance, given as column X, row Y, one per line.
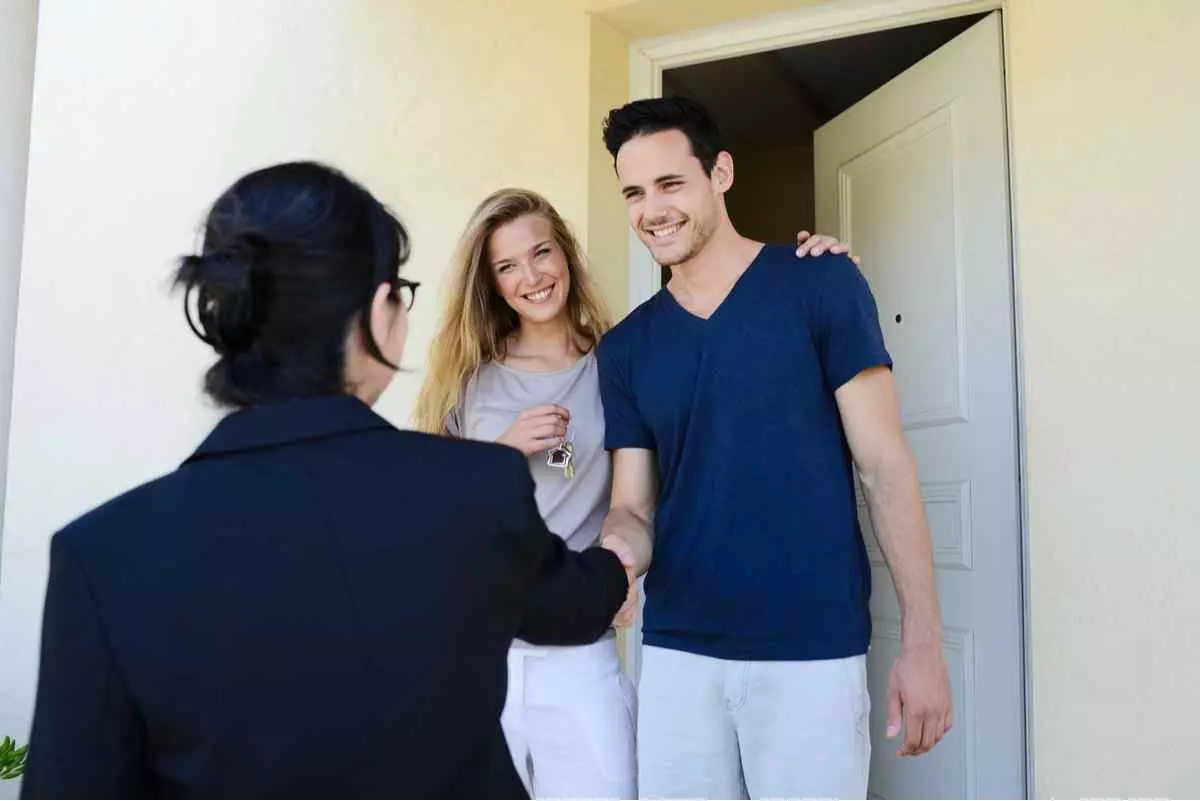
column 895, row 139
column 769, row 105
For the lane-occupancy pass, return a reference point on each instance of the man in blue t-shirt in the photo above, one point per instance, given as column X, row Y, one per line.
column 738, row 402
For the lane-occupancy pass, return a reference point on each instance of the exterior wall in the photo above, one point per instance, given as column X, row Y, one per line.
column 18, row 36
column 608, row 223
column 1105, row 121
column 142, row 112
column 18, row 26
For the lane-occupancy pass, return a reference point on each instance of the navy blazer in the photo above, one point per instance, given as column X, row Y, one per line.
column 315, row 604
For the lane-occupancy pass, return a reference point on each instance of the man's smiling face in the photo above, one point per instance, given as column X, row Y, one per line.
column 673, row 205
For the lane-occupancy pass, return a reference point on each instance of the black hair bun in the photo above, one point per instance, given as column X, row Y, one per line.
column 228, row 284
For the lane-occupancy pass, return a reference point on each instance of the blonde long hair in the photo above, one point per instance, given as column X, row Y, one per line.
column 476, row 322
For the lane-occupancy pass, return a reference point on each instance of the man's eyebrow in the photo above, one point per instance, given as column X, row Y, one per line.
column 672, row 176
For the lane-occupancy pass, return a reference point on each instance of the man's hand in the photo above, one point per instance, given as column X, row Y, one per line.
column 621, row 548
column 631, row 514
column 816, row 244
column 919, row 694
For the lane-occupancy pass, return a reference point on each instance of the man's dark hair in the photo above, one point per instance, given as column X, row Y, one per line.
column 645, row 117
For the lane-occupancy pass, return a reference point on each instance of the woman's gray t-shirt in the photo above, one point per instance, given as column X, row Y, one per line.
column 573, row 508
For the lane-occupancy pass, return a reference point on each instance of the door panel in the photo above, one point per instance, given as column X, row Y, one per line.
column 915, row 177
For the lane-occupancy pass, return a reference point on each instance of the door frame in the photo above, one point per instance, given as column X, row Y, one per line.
column 835, row 19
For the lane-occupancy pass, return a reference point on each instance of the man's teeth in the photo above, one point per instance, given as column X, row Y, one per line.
column 540, row 295
column 668, row 231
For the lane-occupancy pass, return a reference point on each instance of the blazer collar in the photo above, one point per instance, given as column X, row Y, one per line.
column 289, row 421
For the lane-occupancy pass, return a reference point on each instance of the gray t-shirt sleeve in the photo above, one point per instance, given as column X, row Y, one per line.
column 453, row 423
column 456, row 419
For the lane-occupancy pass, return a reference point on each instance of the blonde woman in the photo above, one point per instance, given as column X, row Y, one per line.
column 514, row 362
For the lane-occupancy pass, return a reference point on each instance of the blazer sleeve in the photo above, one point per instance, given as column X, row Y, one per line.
column 572, row 597
column 87, row 736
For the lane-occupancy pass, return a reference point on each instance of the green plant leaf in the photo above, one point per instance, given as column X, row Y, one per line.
column 12, row 759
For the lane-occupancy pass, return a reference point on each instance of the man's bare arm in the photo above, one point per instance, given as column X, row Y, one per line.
column 888, row 472
column 919, row 682
column 634, row 497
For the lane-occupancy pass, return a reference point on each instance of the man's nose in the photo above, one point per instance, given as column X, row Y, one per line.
column 653, row 207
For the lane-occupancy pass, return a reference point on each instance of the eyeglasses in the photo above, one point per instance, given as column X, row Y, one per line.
column 405, row 291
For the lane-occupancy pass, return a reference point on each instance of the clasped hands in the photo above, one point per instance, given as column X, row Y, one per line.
column 636, row 560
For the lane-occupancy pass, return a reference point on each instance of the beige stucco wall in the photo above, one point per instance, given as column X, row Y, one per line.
column 641, row 19
column 608, row 227
column 18, row 26
column 142, row 112
column 1106, row 120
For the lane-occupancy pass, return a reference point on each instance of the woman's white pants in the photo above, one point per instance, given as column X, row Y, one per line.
column 569, row 719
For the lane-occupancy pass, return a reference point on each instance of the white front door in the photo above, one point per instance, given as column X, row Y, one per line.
column 915, row 177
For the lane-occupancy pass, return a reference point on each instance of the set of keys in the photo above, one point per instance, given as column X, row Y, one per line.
column 560, row 457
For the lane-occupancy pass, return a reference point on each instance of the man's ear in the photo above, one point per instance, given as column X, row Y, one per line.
column 722, row 172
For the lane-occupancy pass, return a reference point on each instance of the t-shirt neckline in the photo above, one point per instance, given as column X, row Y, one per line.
column 729, row 296
column 570, row 368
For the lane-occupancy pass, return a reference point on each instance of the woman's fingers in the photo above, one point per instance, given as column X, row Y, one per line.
column 552, row 409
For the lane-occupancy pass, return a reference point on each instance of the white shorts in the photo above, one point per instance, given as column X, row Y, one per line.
column 569, row 721
column 715, row 728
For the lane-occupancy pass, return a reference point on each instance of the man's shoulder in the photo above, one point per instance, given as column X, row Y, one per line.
column 810, row 273
column 811, row 285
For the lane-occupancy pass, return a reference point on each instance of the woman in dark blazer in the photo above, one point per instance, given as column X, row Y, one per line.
column 315, row 604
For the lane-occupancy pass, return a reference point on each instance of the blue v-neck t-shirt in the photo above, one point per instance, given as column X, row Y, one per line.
column 758, row 553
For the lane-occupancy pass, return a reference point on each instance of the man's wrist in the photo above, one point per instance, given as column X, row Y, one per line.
column 917, row 633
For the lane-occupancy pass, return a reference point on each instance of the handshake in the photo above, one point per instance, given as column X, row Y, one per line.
column 635, row 556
